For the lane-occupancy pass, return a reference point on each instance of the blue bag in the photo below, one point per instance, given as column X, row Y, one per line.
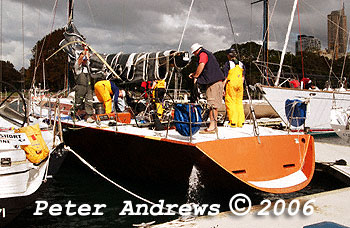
column 182, row 121
column 296, row 116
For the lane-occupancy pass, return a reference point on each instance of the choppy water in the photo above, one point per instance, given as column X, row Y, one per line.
column 80, row 185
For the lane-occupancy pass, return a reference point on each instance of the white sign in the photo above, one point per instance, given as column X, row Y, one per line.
column 14, row 139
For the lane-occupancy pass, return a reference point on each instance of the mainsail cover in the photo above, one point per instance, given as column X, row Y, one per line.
column 128, row 68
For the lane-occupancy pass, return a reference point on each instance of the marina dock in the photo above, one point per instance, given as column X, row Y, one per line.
column 334, row 159
column 330, row 208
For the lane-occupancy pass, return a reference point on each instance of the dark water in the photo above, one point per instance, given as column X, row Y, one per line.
column 80, row 185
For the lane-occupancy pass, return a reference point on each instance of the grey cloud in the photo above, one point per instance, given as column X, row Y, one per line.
column 138, row 25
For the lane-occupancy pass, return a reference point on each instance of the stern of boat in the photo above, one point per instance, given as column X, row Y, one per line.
column 278, row 164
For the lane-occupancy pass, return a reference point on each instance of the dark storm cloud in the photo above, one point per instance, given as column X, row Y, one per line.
column 150, row 25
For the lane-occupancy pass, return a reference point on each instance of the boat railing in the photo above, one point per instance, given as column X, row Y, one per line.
column 190, row 122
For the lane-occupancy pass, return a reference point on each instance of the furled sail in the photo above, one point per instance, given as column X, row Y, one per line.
column 129, row 68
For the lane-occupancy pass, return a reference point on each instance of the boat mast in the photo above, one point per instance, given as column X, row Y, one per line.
column 286, row 41
column 265, row 36
column 266, row 32
column 70, row 10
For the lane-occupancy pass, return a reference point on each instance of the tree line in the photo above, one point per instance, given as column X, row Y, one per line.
column 57, row 71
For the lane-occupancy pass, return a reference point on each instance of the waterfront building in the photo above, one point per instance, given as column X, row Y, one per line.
column 308, row 44
column 337, row 33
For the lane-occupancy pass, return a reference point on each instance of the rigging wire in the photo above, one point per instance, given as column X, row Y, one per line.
column 250, row 39
column 233, row 33
column 183, row 32
column 335, row 53
column 92, row 15
column 301, row 44
column 346, row 48
column 268, row 26
column 325, row 17
column 123, row 25
column 321, row 14
column 43, row 44
column 286, row 42
column 22, row 79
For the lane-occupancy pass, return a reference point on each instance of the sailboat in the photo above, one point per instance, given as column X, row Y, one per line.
column 232, row 159
column 340, row 122
column 303, row 109
column 22, row 173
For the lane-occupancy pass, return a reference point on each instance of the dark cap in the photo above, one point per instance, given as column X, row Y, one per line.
column 231, row 52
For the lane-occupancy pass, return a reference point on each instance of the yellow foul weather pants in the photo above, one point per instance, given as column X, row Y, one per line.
column 233, row 100
column 103, row 93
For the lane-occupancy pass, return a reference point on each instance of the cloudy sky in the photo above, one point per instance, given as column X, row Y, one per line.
column 111, row 26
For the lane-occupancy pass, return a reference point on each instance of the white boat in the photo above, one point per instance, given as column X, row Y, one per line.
column 318, row 104
column 20, row 179
column 20, row 176
column 302, row 109
column 340, row 122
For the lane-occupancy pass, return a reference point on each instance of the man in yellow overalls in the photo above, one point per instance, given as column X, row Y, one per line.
column 158, row 94
column 104, row 91
column 234, row 72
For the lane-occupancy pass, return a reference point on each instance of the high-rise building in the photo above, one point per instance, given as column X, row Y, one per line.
column 337, row 33
column 308, row 43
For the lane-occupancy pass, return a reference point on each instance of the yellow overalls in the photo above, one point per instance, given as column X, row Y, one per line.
column 103, row 93
column 234, row 97
column 160, row 84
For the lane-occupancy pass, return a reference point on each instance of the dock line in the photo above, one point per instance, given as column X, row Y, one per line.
column 112, row 182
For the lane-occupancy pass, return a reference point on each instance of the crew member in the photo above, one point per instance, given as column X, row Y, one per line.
column 104, row 91
column 294, row 83
column 146, row 85
column 209, row 74
column 158, row 95
column 234, row 89
column 83, row 90
column 306, row 83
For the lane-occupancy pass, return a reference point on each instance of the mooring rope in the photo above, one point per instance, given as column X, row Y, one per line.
column 106, row 178
column 111, row 181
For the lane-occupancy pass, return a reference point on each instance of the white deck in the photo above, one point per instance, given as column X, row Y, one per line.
column 223, row 132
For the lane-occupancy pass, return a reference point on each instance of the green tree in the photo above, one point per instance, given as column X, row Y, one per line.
column 10, row 74
column 55, row 67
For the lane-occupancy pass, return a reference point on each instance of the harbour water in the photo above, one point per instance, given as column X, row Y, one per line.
column 78, row 184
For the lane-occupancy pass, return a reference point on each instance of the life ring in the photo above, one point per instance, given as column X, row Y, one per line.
column 37, row 151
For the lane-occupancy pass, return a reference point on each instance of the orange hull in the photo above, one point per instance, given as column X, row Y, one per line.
column 279, row 164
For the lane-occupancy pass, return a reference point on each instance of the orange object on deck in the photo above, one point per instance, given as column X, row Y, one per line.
column 122, row 117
